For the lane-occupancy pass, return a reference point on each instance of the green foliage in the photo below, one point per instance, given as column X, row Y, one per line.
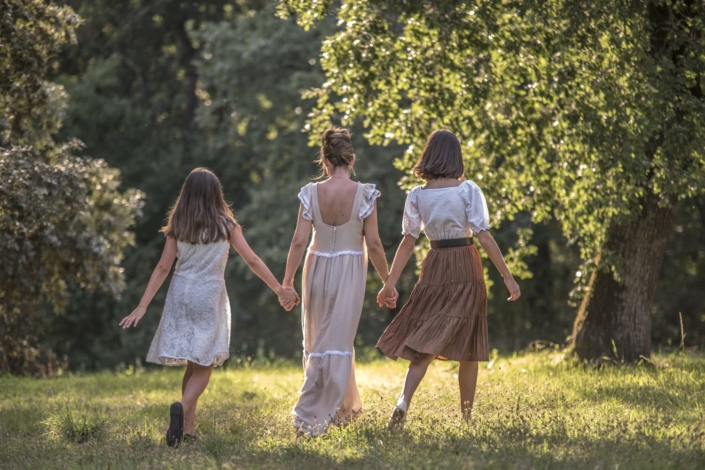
column 535, row 410
column 566, row 110
column 126, row 106
column 63, row 219
column 157, row 88
column 32, row 33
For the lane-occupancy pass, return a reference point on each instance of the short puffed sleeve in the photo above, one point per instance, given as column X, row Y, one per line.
column 305, row 198
column 367, row 204
column 476, row 207
column 412, row 223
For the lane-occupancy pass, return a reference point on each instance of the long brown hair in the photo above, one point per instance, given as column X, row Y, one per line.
column 200, row 214
column 441, row 157
column 336, row 147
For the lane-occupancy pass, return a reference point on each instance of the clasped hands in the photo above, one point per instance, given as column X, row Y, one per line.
column 289, row 299
column 388, row 296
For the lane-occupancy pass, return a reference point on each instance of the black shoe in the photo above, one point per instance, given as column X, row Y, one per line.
column 176, row 426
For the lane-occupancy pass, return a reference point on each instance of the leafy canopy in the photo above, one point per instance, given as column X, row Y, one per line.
column 568, row 110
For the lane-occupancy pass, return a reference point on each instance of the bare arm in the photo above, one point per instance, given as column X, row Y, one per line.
column 374, row 245
column 376, row 253
column 155, row 282
column 237, row 240
column 297, row 248
column 490, row 246
column 404, row 252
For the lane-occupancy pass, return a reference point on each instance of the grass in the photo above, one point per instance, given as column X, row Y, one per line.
column 532, row 411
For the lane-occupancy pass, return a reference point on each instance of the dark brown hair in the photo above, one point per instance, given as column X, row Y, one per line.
column 200, row 214
column 441, row 157
column 336, row 147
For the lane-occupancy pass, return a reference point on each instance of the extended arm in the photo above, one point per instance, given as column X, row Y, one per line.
column 237, row 240
column 296, row 252
column 375, row 251
column 404, row 252
column 490, row 246
column 155, row 282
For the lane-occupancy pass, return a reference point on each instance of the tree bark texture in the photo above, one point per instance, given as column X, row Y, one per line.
column 620, row 312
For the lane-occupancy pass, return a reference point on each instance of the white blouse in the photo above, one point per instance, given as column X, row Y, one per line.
column 445, row 213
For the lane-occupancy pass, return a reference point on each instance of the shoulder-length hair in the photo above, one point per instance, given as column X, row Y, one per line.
column 200, row 214
column 441, row 157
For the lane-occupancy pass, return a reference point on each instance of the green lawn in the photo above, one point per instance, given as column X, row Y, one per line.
column 532, row 411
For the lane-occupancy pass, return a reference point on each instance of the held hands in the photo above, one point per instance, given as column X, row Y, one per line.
column 288, row 298
column 133, row 318
column 513, row 287
column 388, row 296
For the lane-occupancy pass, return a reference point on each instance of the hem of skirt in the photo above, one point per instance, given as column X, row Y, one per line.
column 319, row 429
column 406, row 349
column 181, row 361
column 410, row 357
column 444, row 284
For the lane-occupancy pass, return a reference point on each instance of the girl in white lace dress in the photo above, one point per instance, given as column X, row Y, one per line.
column 195, row 326
column 343, row 216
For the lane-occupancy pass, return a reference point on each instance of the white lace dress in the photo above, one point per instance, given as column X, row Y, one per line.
column 195, row 324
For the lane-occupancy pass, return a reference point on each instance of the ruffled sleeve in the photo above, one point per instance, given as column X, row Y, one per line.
column 412, row 223
column 305, row 198
column 367, row 204
column 476, row 207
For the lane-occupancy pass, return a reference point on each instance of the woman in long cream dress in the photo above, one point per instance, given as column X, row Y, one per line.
column 343, row 216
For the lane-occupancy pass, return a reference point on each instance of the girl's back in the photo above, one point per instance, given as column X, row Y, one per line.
column 336, row 198
column 202, row 261
column 446, row 212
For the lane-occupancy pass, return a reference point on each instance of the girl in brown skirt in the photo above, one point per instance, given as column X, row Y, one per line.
column 446, row 315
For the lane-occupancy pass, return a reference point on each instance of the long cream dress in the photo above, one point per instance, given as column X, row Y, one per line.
column 333, row 291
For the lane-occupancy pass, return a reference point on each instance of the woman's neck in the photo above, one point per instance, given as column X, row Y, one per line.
column 339, row 173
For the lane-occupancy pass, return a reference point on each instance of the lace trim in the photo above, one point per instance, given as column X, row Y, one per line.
column 331, row 352
column 334, row 255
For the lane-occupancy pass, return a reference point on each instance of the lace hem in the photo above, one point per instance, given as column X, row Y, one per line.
column 218, row 360
column 335, row 255
column 331, row 352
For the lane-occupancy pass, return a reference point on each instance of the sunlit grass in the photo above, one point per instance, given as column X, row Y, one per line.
column 532, row 411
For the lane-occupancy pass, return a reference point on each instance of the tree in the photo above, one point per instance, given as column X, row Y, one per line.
column 63, row 220
column 128, row 86
column 588, row 113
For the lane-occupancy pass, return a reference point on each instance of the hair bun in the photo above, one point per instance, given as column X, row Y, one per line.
column 336, row 147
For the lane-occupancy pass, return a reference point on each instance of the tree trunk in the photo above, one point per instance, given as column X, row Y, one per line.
column 620, row 312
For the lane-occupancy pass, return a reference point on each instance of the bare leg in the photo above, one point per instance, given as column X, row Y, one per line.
column 196, row 384
column 414, row 376
column 187, row 376
column 467, row 379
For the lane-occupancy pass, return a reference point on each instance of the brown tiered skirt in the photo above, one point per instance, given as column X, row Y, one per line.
column 446, row 314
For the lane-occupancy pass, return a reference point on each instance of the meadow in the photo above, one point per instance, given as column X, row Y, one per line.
column 532, row 410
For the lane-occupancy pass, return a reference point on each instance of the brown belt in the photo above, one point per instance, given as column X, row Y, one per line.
column 451, row 242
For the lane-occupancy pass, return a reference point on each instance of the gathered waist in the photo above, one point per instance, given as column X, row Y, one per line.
column 451, row 242
column 337, row 253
